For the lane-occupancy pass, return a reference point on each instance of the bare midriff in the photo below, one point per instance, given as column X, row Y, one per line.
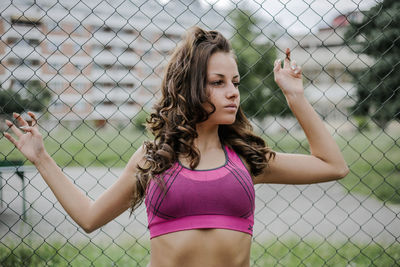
column 201, row 247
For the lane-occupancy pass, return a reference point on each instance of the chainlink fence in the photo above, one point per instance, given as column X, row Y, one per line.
column 92, row 70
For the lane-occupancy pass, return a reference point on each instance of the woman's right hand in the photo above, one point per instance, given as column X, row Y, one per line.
column 29, row 141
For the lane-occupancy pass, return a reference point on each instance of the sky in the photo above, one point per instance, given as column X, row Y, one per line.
column 298, row 15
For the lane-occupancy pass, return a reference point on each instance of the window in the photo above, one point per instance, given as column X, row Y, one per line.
column 108, row 103
column 33, row 42
column 126, row 85
column 34, row 62
column 11, row 41
column 14, row 61
column 107, row 29
column 24, row 21
column 129, row 31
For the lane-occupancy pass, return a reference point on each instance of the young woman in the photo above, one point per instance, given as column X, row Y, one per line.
column 197, row 176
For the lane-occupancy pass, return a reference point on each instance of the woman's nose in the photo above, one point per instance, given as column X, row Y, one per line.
column 233, row 91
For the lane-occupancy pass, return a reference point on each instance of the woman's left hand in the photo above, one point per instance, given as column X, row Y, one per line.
column 288, row 78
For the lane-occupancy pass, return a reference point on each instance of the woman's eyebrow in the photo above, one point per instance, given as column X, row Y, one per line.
column 222, row 75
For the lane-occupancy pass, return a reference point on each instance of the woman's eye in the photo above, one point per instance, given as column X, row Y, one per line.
column 216, row 83
column 236, row 84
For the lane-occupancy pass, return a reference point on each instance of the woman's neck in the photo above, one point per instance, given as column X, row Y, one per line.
column 208, row 138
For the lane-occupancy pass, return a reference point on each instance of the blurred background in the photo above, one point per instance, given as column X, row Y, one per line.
column 92, row 71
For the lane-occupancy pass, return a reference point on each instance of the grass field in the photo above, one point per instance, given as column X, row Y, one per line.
column 373, row 157
column 274, row 253
column 86, row 146
column 374, row 160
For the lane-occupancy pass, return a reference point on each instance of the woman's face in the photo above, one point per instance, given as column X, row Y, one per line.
column 222, row 86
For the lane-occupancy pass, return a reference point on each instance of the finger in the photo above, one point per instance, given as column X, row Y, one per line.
column 33, row 116
column 287, row 52
column 286, row 62
column 297, row 70
column 14, row 128
column 293, row 65
column 26, row 128
column 20, row 120
column 277, row 65
column 10, row 138
column 31, row 129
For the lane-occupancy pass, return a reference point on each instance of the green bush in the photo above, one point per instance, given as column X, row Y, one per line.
column 362, row 123
column 35, row 97
column 140, row 120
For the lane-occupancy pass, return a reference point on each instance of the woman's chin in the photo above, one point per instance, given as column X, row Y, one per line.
column 227, row 121
column 223, row 120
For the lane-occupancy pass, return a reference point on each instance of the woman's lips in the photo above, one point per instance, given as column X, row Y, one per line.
column 231, row 106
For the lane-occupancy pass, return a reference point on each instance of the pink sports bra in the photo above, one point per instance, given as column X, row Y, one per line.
column 217, row 198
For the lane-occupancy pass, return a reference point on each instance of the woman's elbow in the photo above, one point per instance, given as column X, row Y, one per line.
column 88, row 230
column 342, row 172
column 88, row 227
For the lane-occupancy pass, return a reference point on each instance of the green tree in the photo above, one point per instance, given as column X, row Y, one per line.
column 260, row 96
column 35, row 97
column 377, row 35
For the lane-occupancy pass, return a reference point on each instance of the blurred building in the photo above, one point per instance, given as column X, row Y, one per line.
column 103, row 60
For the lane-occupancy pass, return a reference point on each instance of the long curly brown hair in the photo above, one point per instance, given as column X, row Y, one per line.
column 181, row 107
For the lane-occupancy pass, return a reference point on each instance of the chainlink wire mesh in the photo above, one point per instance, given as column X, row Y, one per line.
column 92, row 70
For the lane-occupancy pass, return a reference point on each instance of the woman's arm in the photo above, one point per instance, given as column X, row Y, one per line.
column 326, row 161
column 88, row 214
